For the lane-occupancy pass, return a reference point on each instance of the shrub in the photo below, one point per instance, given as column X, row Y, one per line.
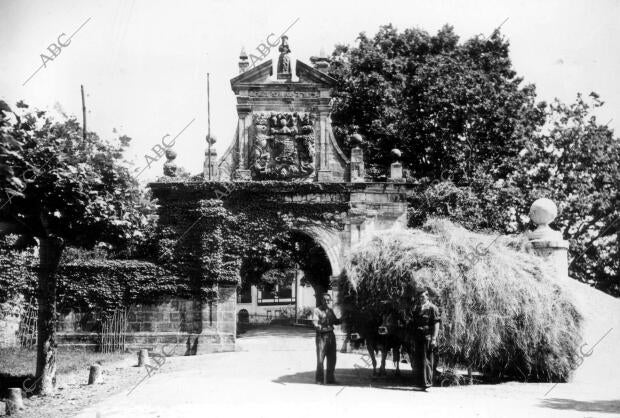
column 502, row 313
column 87, row 281
column 110, row 284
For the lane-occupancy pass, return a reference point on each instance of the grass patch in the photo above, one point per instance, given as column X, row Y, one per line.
column 18, row 364
column 502, row 312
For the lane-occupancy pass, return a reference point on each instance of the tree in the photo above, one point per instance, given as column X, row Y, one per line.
column 460, row 114
column 60, row 190
column 450, row 107
column 576, row 162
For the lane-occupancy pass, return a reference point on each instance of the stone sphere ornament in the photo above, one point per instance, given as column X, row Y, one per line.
column 170, row 155
column 396, row 154
column 170, row 168
column 356, row 140
column 542, row 212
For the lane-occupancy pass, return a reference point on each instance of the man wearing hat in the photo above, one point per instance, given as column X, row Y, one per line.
column 324, row 320
column 426, row 329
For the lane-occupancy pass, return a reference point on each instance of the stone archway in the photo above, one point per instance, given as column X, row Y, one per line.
column 317, row 260
column 331, row 242
column 331, row 217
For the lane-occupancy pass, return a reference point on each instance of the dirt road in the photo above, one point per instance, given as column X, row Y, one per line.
column 273, row 376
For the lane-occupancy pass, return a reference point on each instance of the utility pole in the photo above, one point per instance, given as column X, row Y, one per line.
column 208, row 127
column 83, row 115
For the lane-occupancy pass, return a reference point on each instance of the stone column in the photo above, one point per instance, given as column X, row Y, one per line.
column 245, row 119
column 243, row 61
column 357, row 159
column 212, row 167
column 324, row 173
column 219, row 322
column 209, row 169
column 396, row 169
column 546, row 242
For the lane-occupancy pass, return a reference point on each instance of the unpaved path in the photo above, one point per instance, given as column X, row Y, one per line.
column 273, row 373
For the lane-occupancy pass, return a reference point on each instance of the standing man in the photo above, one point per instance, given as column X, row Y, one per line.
column 324, row 320
column 426, row 328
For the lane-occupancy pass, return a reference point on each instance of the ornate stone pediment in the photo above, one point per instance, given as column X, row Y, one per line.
column 284, row 128
column 262, row 73
column 309, row 74
column 257, row 75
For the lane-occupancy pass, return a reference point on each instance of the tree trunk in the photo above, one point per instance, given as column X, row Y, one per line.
column 50, row 249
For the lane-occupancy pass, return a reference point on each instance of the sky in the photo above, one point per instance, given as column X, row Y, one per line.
column 144, row 64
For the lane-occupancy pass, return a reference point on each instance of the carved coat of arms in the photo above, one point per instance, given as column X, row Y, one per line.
column 283, row 146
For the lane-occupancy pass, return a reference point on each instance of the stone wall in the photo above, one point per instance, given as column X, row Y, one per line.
column 219, row 322
column 9, row 325
column 186, row 327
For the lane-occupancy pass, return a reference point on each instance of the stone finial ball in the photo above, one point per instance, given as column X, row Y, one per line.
column 396, row 153
column 543, row 211
column 356, row 139
column 170, row 154
column 210, row 139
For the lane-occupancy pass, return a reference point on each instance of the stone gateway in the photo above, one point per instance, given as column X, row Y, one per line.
column 284, row 164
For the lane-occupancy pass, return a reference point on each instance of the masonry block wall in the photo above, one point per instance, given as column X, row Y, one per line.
column 174, row 323
column 219, row 322
column 9, row 325
column 184, row 327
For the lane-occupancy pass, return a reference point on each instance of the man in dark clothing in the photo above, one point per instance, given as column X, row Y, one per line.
column 426, row 328
column 324, row 320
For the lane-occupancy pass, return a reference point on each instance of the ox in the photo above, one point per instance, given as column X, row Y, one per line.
column 381, row 334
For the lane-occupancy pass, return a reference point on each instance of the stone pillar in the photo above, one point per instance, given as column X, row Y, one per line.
column 170, row 167
column 546, row 242
column 210, row 165
column 396, row 169
column 245, row 120
column 324, row 173
column 209, row 172
column 243, row 61
column 357, row 159
column 219, row 322
column 226, row 314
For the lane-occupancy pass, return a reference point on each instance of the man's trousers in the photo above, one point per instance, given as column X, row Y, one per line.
column 424, row 361
column 325, row 347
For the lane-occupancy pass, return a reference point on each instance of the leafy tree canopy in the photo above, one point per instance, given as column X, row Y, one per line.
column 576, row 163
column 451, row 107
column 56, row 184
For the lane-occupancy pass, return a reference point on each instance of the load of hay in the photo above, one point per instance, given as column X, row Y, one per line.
column 502, row 312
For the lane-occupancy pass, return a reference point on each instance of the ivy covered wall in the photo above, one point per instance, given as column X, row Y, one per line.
column 222, row 233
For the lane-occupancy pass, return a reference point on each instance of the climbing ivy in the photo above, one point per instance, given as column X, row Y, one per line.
column 223, row 233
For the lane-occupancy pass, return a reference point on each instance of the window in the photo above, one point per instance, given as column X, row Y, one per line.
column 278, row 294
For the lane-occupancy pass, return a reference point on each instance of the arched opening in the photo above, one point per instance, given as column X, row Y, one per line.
column 313, row 260
column 285, row 286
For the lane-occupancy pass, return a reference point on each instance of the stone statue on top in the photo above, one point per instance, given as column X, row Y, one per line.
column 284, row 61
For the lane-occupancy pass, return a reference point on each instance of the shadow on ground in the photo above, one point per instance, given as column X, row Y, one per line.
column 8, row 380
column 276, row 331
column 611, row 406
column 355, row 378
